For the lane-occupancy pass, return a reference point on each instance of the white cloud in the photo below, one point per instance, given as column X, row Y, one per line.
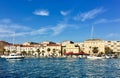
column 100, row 21
column 112, row 35
column 59, row 28
column 107, row 21
column 2, row 30
column 115, row 20
column 64, row 13
column 89, row 15
column 39, row 31
column 5, row 20
column 41, row 12
column 8, row 29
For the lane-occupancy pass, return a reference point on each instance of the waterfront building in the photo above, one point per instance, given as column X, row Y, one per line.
column 2, row 45
column 69, row 47
column 64, row 43
column 53, row 49
column 114, row 46
column 90, row 44
column 81, row 45
column 12, row 48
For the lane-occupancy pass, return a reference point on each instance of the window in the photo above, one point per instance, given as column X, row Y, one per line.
column 118, row 45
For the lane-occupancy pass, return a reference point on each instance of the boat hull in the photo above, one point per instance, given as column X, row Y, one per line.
column 12, row 57
column 94, row 57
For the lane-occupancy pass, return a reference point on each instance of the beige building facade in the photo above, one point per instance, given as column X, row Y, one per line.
column 69, row 46
column 53, row 49
column 66, row 47
column 113, row 45
column 91, row 43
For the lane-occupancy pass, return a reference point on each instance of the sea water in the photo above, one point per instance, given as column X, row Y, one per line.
column 59, row 68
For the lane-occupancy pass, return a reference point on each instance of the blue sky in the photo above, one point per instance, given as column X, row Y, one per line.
column 59, row 20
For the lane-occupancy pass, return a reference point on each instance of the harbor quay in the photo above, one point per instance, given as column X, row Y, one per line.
column 63, row 49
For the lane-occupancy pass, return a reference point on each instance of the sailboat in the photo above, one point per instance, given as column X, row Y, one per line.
column 92, row 56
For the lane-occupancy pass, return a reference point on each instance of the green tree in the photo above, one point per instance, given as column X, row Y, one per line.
column 48, row 50
column 29, row 53
column 24, row 53
column 54, row 52
column 108, row 50
column 95, row 50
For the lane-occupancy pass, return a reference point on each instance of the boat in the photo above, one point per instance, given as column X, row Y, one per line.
column 106, row 56
column 17, row 55
column 114, row 56
column 13, row 56
column 95, row 57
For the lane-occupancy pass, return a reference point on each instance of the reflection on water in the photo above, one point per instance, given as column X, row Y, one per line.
column 13, row 60
column 64, row 68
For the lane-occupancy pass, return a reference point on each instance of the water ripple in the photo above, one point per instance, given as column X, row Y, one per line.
column 59, row 68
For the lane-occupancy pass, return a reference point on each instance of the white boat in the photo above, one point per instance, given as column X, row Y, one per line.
column 12, row 56
column 94, row 57
column 106, row 56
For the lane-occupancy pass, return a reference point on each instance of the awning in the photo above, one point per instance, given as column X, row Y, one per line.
column 73, row 53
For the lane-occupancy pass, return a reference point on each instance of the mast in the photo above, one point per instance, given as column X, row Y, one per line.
column 92, row 32
column 13, row 38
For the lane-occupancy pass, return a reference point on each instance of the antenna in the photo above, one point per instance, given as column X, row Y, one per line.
column 92, row 30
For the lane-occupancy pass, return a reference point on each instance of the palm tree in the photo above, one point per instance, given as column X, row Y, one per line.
column 60, row 52
column 24, row 53
column 54, row 52
column 8, row 51
column 38, row 51
column 32, row 52
column 4, row 50
column 14, row 51
column 29, row 53
column 64, row 51
column 43, row 52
